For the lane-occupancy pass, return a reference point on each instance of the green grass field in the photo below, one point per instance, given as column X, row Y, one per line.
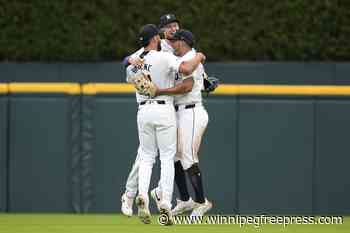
column 89, row 223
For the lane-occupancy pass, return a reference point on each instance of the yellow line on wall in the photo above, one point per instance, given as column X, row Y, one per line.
column 67, row 88
column 223, row 89
column 226, row 89
column 100, row 88
column 4, row 89
column 231, row 89
column 292, row 90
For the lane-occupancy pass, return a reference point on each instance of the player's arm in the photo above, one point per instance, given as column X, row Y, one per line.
column 126, row 62
column 129, row 60
column 133, row 59
column 182, row 88
column 187, row 67
column 131, row 68
column 130, row 73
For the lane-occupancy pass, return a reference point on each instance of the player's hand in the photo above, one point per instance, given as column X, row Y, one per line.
column 202, row 57
column 136, row 61
column 157, row 91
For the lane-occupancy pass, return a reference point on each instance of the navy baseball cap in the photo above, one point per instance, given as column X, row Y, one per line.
column 147, row 32
column 166, row 19
column 184, row 35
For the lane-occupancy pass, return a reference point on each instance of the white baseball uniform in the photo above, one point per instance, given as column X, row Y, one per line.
column 132, row 181
column 156, row 122
column 192, row 118
column 166, row 47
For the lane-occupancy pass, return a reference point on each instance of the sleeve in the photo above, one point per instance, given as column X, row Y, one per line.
column 130, row 73
column 125, row 61
column 130, row 69
column 200, row 70
column 137, row 53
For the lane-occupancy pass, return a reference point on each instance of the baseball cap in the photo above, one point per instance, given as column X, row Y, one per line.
column 184, row 35
column 147, row 32
column 166, row 19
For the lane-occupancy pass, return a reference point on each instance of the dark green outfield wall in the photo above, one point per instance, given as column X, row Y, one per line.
column 293, row 73
column 332, row 154
column 60, row 153
column 40, row 154
column 277, row 155
column 3, row 151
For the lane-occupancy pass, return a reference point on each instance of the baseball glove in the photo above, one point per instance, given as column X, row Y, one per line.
column 210, row 83
column 144, row 85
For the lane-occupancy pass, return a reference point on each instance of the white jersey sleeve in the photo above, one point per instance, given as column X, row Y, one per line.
column 137, row 53
column 129, row 72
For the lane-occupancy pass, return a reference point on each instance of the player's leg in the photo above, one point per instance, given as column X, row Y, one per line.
column 184, row 202
column 194, row 124
column 133, row 179
column 201, row 205
column 197, row 127
column 147, row 155
column 156, row 195
column 130, row 188
column 166, row 137
column 145, row 172
column 180, row 180
column 167, row 140
column 180, row 176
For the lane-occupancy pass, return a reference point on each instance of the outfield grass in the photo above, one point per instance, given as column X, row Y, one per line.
column 89, row 223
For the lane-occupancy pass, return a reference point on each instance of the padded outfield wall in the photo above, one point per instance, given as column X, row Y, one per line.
column 267, row 149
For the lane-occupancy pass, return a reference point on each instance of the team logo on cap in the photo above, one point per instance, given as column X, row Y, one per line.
column 168, row 16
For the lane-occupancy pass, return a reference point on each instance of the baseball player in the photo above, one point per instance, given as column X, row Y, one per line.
column 192, row 120
column 156, row 119
column 168, row 25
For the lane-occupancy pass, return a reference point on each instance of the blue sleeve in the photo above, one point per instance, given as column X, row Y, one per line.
column 125, row 61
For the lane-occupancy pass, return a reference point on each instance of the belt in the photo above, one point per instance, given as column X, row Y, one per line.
column 185, row 107
column 152, row 101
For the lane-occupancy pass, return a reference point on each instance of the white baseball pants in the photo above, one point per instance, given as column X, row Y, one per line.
column 192, row 123
column 157, row 131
